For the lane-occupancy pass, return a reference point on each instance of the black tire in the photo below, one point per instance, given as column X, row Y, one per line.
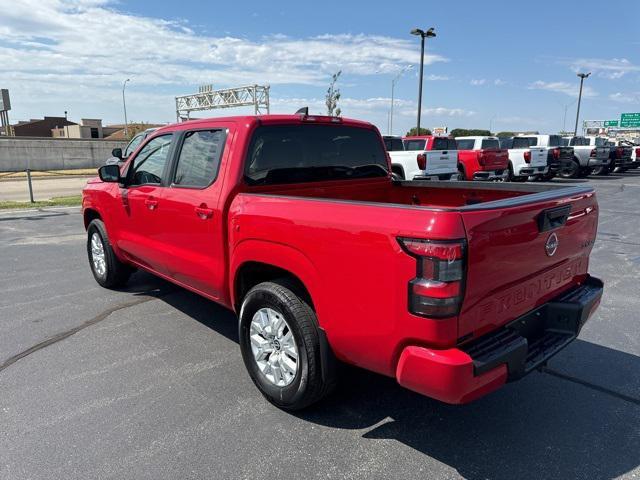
column 572, row 170
column 511, row 177
column 602, row 170
column 315, row 373
column 116, row 273
column 461, row 175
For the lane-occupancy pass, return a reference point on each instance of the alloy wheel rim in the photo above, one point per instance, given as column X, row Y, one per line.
column 97, row 255
column 273, row 346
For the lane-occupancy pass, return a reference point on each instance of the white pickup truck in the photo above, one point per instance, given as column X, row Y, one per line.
column 426, row 157
column 524, row 161
column 589, row 153
column 559, row 157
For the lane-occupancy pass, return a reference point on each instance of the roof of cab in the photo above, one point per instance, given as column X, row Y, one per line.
column 266, row 119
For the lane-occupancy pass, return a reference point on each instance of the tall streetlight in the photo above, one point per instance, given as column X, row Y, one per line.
column 564, row 118
column 428, row 34
column 582, row 77
column 491, row 123
column 124, row 106
column 393, row 86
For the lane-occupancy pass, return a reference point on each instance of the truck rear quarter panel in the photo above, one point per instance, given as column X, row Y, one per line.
column 348, row 257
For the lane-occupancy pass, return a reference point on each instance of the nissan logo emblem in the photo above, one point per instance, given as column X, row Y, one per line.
column 552, row 244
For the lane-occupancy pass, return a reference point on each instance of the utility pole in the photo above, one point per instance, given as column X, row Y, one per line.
column 428, row 34
column 393, row 86
column 124, row 106
column 582, row 77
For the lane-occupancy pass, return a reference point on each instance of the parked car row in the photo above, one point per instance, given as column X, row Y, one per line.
column 515, row 159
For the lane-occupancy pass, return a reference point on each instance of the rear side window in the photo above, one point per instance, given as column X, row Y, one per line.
column 444, row 143
column 414, row 144
column 149, row 164
column 490, row 143
column 199, row 158
column 465, row 144
column 311, row 153
column 393, row 144
column 521, row 142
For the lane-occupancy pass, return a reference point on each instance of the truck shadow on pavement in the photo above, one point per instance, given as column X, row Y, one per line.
column 544, row 426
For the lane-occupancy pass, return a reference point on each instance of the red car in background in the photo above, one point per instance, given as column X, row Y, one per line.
column 481, row 158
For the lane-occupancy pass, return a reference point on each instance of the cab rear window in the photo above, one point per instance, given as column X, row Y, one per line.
column 444, row 143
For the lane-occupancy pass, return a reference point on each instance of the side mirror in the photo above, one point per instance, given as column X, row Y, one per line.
column 109, row 173
column 117, row 152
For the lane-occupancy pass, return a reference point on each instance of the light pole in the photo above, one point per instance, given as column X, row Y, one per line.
column 66, row 125
column 124, row 106
column 564, row 118
column 428, row 34
column 582, row 77
column 393, row 86
column 491, row 123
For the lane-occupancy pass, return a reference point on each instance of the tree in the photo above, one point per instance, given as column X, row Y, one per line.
column 505, row 134
column 414, row 131
column 333, row 95
column 465, row 132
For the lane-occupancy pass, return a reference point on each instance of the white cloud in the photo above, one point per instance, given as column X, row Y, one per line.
column 478, row 81
column 435, row 78
column 630, row 97
column 563, row 87
column 613, row 68
column 499, row 82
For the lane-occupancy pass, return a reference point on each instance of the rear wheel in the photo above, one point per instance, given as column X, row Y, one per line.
column 281, row 346
column 108, row 271
column 570, row 169
column 461, row 175
column 601, row 170
column 512, row 177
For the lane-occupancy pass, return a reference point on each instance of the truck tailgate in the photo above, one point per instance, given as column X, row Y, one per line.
column 494, row 159
column 538, row 157
column 441, row 161
column 512, row 266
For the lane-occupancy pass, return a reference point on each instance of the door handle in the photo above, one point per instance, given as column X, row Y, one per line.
column 203, row 212
column 151, row 203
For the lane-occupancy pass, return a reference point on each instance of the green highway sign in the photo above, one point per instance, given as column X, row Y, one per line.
column 611, row 123
column 630, row 120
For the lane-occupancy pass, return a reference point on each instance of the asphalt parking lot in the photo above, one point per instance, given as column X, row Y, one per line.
column 148, row 382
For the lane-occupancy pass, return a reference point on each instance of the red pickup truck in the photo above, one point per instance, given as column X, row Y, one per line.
column 295, row 223
column 481, row 158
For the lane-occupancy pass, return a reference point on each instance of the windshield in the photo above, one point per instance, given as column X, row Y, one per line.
column 506, row 142
column 414, row 144
column 579, row 142
column 555, row 141
column 393, row 144
column 490, row 143
column 311, row 153
column 444, row 143
column 465, row 143
column 521, row 142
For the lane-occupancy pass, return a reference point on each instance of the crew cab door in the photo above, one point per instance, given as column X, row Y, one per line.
column 191, row 234
column 138, row 222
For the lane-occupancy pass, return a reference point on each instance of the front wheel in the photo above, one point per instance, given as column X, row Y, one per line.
column 108, row 271
column 281, row 347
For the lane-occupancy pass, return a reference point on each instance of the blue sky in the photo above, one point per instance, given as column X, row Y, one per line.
column 514, row 68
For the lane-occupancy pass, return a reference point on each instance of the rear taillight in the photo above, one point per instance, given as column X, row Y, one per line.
column 422, row 161
column 638, row 153
column 527, row 157
column 593, row 153
column 437, row 289
column 555, row 153
column 619, row 152
column 481, row 159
